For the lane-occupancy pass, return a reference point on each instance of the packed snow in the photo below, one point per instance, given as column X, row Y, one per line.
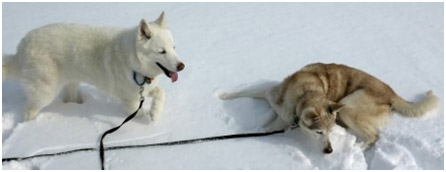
column 229, row 46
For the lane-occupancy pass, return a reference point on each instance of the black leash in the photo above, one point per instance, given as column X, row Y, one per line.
column 141, row 99
column 47, row 154
column 101, row 145
column 179, row 142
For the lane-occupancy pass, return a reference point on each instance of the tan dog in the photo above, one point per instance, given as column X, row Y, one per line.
column 319, row 92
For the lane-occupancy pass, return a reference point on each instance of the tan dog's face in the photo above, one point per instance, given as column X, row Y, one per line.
column 318, row 120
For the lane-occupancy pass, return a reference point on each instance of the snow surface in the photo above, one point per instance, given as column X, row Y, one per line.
column 227, row 46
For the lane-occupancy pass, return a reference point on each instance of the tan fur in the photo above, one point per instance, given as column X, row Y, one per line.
column 321, row 95
column 368, row 101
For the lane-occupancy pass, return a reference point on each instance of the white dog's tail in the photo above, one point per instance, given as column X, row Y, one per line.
column 415, row 110
column 8, row 67
column 256, row 91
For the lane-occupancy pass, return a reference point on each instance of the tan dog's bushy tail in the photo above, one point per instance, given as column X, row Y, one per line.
column 415, row 110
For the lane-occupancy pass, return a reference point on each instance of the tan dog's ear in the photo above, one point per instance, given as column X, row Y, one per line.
column 144, row 31
column 308, row 118
column 334, row 108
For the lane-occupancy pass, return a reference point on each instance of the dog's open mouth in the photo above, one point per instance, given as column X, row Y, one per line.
column 172, row 75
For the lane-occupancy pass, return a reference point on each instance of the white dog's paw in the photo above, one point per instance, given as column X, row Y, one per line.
column 154, row 114
column 31, row 117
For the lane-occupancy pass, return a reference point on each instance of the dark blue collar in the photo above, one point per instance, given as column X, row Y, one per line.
column 144, row 80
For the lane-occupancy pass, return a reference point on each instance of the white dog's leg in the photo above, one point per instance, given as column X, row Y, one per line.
column 158, row 95
column 72, row 94
column 39, row 96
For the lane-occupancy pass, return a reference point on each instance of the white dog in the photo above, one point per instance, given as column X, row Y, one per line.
column 60, row 56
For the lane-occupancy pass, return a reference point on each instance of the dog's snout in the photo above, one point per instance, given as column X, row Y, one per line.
column 180, row 66
column 328, row 150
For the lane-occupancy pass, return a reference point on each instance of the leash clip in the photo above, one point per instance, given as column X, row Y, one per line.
column 141, row 90
column 295, row 121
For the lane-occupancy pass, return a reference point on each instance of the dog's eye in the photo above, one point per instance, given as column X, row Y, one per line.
column 163, row 52
column 319, row 132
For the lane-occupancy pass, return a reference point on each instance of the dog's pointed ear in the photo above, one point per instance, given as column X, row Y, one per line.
column 334, row 108
column 144, row 31
column 161, row 20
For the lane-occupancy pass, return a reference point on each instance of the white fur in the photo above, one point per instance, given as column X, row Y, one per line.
column 59, row 56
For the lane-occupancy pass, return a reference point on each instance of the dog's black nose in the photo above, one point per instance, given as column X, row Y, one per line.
column 180, row 66
column 328, row 150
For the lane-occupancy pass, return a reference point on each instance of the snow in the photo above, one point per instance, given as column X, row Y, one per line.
column 226, row 46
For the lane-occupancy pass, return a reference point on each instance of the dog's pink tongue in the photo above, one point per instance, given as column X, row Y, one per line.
column 173, row 76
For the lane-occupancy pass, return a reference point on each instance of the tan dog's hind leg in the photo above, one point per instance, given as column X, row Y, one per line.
column 364, row 116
